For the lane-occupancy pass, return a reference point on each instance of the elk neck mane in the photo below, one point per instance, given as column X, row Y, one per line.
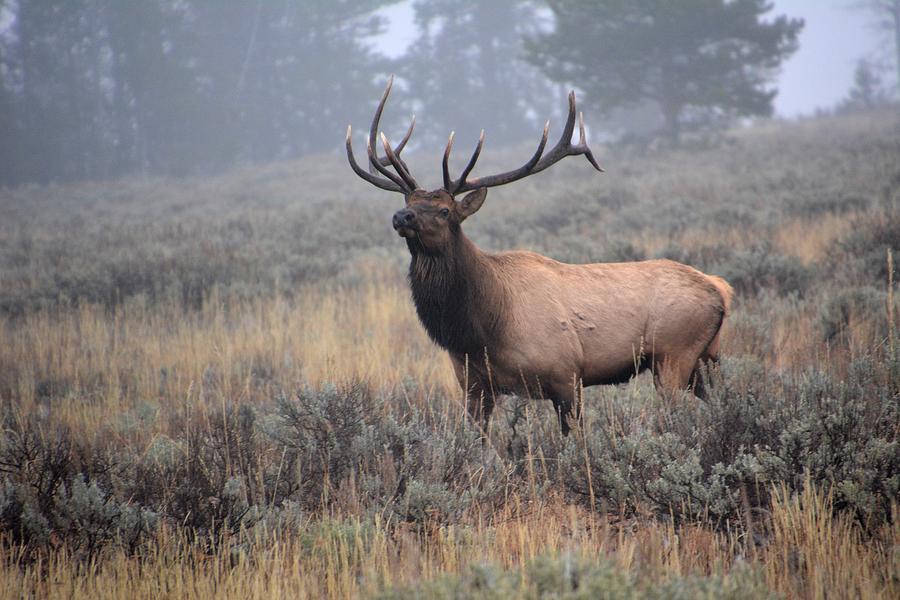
column 458, row 295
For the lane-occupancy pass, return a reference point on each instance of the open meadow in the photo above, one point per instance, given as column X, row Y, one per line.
column 219, row 386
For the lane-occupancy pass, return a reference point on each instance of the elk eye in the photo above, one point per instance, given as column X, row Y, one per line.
column 445, row 212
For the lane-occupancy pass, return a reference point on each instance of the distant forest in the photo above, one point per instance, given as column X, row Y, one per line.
column 96, row 89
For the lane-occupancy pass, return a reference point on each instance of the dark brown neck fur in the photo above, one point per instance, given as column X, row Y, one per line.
column 458, row 296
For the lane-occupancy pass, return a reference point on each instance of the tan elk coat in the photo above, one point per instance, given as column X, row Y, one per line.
column 523, row 323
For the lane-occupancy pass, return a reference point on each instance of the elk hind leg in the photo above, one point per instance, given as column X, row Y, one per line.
column 708, row 359
column 697, row 383
column 674, row 374
column 705, row 363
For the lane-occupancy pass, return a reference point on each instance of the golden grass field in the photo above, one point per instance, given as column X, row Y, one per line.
column 361, row 560
column 118, row 371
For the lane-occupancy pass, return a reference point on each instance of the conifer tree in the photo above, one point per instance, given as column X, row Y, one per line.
column 696, row 60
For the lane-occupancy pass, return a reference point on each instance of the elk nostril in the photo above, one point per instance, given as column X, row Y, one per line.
column 404, row 218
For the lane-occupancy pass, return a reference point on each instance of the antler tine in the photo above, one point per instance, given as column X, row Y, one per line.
column 402, row 144
column 582, row 144
column 471, row 165
column 590, row 156
column 400, row 182
column 581, row 138
column 566, row 138
column 540, row 149
column 385, row 161
column 538, row 162
column 376, row 119
column 373, row 161
column 376, row 181
column 445, row 165
column 564, row 146
column 398, row 165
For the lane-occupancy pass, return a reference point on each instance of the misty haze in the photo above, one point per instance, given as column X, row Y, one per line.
column 449, row 298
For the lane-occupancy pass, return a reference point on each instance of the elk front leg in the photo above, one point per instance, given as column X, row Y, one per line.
column 480, row 405
column 479, row 396
column 567, row 402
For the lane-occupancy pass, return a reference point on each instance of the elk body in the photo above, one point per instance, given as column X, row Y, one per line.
column 519, row 322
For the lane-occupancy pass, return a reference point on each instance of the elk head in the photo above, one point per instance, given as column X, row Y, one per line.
column 430, row 219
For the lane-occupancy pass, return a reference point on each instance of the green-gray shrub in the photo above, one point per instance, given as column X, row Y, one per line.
column 420, row 470
column 88, row 518
column 761, row 267
column 704, row 459
column 569, row 578
column 840, row 306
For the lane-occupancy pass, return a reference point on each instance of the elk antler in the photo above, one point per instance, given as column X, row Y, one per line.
column 402, row 181
column 535, row 164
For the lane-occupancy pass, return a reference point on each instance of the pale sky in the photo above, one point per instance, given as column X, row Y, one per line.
column 818, row 75
column 835, row 37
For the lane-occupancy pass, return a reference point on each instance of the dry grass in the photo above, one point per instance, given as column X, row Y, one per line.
column 814, row 554
column 238, row 351
column 811, row 239
column 808, row 554
column 245, row 351
column 92, row 365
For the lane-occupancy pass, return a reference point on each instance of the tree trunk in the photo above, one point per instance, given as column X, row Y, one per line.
column 669, row 102
column 895, row 13
column 671, row 112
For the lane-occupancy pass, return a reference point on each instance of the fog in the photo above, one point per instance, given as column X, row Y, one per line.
column 97, row 89
column 836, row 35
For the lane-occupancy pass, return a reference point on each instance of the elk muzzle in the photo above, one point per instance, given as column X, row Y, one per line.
column 405, row 222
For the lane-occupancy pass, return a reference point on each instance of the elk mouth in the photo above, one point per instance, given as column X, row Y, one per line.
column 404, row 223
column 406, row 231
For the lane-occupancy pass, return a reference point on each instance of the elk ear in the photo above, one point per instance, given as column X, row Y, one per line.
column 470, row 204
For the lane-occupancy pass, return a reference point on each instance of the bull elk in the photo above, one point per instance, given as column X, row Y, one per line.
column 518, row 322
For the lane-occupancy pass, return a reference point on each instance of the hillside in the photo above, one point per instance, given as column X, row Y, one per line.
column 290, row 224
column 220, row 385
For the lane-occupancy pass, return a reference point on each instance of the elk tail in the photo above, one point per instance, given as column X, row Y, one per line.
column 727, row 292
